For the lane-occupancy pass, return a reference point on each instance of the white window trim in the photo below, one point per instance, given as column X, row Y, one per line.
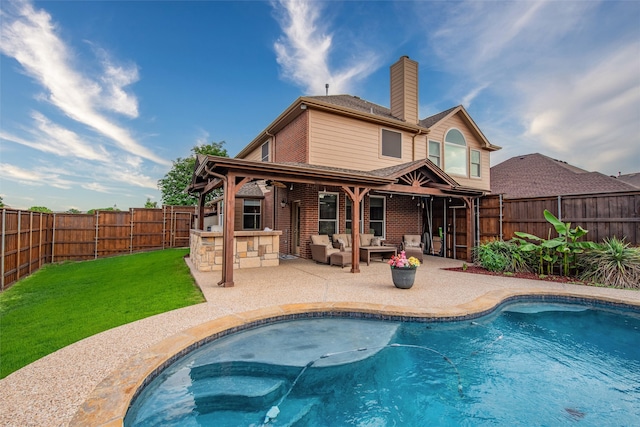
column 384, row 215
column 268, row 151
column 380, row 145
column 479, row 164
column 346, row 201
column 258, row 215
column 466, row 149
column 337, row 227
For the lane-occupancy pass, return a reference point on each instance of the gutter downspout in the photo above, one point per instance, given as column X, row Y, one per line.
column 413, row 143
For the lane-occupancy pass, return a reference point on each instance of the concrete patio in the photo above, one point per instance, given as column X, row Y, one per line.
column 89, row 382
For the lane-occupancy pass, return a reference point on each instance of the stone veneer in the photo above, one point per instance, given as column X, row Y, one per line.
column 250, row 249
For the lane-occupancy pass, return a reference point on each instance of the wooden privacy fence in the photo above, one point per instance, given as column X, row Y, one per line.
column 604, row 215
column 31, row 239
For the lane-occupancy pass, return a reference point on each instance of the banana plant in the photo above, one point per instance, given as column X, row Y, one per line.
column 550, row 250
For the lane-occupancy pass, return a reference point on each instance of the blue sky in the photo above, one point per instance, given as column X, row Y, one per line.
column 98, row 97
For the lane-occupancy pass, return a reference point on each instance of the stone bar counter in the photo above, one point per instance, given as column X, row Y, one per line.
column 250, row 249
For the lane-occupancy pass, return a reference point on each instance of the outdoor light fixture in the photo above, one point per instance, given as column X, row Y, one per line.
column 291, row 188
column 283, row 203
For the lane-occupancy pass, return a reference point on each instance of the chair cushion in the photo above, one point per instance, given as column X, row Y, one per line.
column 321, row 239
column 346, row 239
column 412, row 240
column 365, row 239
column 376, row 241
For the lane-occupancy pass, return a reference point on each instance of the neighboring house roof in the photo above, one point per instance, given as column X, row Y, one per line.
column 536, row 175
column 630, row 178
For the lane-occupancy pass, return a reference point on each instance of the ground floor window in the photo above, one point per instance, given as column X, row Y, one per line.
column 377, row 215
column 328, row 213
column 349, row 219
column 251, row 214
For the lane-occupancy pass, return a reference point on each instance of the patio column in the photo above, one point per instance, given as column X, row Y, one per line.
column 201, row 201
column 356, row 197
column 469, row 202
column 228, row 226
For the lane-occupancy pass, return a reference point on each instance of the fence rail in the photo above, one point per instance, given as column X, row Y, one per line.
column 31, row 239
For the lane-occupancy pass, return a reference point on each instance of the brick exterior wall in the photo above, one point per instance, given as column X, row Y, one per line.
column 403, row 216
column 292, row 141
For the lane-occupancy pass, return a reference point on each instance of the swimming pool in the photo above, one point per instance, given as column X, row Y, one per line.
column 526, row 364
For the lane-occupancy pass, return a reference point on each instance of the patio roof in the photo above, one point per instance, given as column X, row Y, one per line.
column 417, row 178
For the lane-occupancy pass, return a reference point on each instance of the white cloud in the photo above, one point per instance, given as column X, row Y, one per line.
column 30, row 36
column 303, row 51
column 33, row 177
column 49, row 137
column 96, row 186
column 565, row 76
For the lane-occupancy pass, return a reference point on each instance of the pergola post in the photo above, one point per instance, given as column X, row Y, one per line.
column 201, row 202
column 356, row 197
column 229, row 188
column 470, row 232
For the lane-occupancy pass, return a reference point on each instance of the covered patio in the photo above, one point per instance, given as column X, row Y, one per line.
column 415, row 179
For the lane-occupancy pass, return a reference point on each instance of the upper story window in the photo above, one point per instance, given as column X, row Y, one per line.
column 251, row 214
column 265, row 151
column 391, row 144
column 475, row 164
column 455, row 153
column 434, row 153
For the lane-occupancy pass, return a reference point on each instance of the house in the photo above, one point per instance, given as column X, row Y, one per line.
column 325, row 155
column 536, row 175
column 630, row 178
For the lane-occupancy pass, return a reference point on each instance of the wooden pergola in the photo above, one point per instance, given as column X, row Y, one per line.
column 418, row 178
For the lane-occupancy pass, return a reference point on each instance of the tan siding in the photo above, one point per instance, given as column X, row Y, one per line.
column 352, row 144
column 437, row 134
column 255, row 155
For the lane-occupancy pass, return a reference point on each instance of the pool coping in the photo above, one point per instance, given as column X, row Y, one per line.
column 109, row 402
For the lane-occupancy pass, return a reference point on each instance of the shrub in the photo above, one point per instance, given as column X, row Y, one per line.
column 501, row 256
column 612, row 263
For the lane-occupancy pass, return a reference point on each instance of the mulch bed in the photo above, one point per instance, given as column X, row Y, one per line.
column 473, row 269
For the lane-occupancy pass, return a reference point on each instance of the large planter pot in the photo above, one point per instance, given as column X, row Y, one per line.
column 403, row 278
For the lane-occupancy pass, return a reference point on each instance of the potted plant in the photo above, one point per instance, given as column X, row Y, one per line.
column 403, row 270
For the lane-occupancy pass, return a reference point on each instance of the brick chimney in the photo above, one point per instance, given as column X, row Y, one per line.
column 404, row 90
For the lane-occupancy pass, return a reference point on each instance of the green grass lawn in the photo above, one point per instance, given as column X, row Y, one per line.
column 64, row 303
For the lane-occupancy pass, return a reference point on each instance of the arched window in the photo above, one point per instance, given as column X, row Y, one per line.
column 455, row 153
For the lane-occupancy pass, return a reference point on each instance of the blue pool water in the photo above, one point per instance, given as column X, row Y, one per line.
column 528, row 364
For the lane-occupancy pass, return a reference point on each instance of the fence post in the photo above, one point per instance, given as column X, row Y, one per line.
column 164, row 225
column 131, row 230
column 4, row 230
column 40, row 244
column 560, row 208
column 501, row 218
column 53, row 239
column 95, row 251
column 30, row 238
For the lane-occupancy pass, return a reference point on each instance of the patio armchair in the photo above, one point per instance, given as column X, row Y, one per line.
column 321, row 248
column 412, row 246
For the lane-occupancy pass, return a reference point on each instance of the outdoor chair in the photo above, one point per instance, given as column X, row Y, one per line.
column 321, row 248
column 412, row 246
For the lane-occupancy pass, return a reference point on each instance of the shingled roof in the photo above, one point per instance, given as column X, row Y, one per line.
column 630, row 178
column 536, row 175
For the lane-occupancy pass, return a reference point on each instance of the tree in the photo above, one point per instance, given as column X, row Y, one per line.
column 92, row 211
column 150, row 205
column 40, row 209
column 73, row 211
column 174, row 183
column 1, row 202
